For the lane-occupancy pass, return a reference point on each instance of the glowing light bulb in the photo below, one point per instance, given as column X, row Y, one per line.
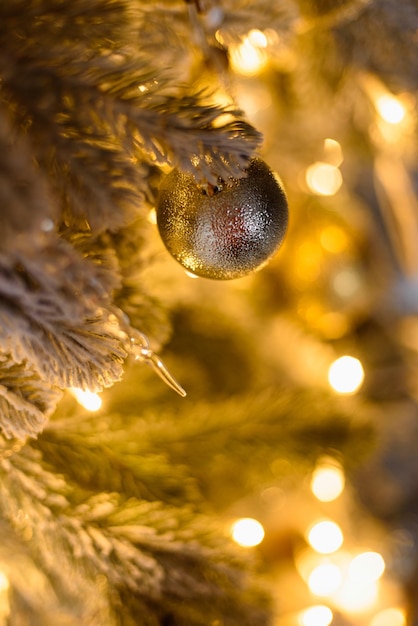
column 389, row 617
column 87, row 399
column 325, row 537
column 318, row 615
column 367, row 567
column 346, row 375
column 323, row 179
column 248, row 59
column 328, row 481
column 390, row 108
column 325, row 579
column 257, row 38
column 247, row 532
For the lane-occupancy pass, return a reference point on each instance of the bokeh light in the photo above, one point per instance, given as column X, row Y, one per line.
column 367, row 567
column 333, row 239
column 325, row 537
column 248, row 58
column 4, row 581
column 323, row 179
column 333, row 153
column 247, row 532
column 346, row 375
column 389, row 617
column 257, row 38
column 356, row 597
column 328, row 481
column 325, row 579
column 89, row 400
column 347, row 282
column 318, row 615
column 390, row 108
column 152, row 217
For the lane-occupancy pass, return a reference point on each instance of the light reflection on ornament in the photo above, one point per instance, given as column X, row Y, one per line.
column 367, row 567
column 328, row 480
column 325, row 537
column 318, row 615
column 247, row 532
column 323, row 179
column 89, row 400
column 190, row 274
column 325, row 579
column 346, row 375
column 390, row 108
column 389, row 617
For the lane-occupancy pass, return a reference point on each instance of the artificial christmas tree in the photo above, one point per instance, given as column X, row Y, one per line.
column 123, row 516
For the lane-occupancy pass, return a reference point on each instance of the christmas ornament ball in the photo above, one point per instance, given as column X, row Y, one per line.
column 224, row 232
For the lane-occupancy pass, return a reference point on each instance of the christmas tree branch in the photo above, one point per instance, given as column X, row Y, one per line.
column 52, row 316
column 166, row 559
column 26, row 401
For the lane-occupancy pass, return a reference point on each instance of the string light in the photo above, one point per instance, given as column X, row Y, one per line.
column 328, row 481
column 318, row 615
column 323, row 179
column 346, row 375
column 247, row 532
column 325, row 537
column 367, row 567
column 389, row 617
column 89, row 400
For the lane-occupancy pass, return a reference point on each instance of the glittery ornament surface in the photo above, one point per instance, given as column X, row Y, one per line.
column 228, row 234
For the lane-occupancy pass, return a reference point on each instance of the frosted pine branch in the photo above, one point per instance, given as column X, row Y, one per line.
column 26, row 401
column 165, row 559
column 52, row 315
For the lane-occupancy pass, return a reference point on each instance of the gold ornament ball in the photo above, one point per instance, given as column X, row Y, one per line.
column 224, row 232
